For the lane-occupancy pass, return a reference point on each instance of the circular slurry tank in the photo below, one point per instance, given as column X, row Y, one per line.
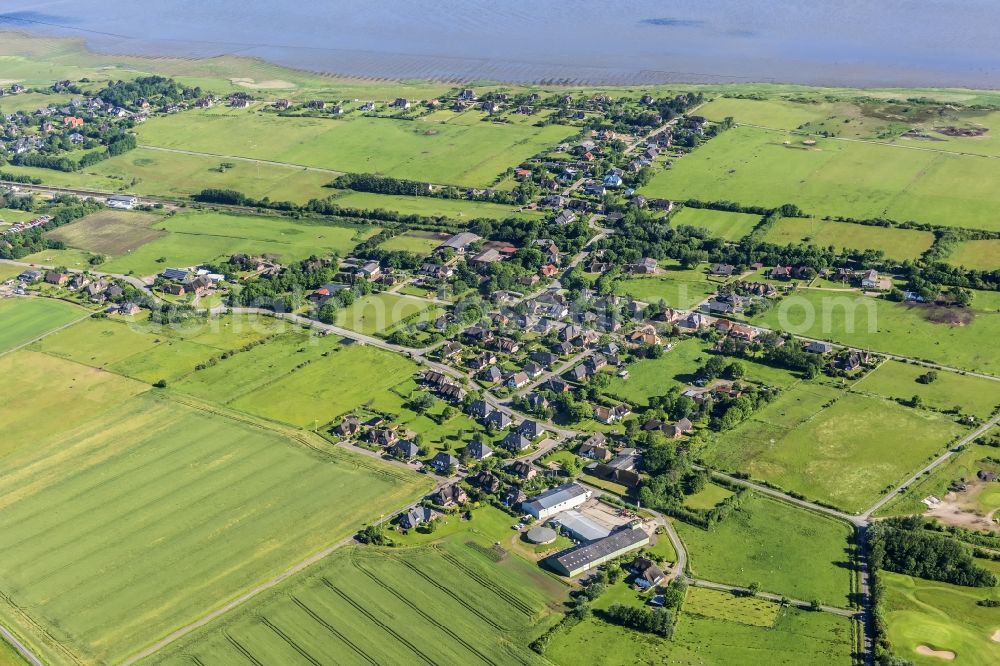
column 541, row 535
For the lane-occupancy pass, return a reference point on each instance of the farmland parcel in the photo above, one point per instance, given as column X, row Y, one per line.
column 446, row 603
column 471, row 155
column 835, row 177
column 126, row 528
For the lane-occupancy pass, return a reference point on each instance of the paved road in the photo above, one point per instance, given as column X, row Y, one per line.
column 131, row 279
column 785, row 497
column 929, row 468
column 843, row 612
column 680, row 567
column 28, row 655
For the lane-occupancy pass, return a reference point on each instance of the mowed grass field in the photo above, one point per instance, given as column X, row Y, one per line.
column 457, row 209
column 376, row 313
column 446, row 603
column 718, row 223
column 722, row 605
column 69, row 257
column 835, row 177
column 36, row 386
column 148, row 353
column 787, row 550
column 169, row 174
column 24, row 319
column 896, row 328
column 977, row 255
column 846, row 453
column 941, row 617
column 417, row 242
column 8, row 271
column 12, row 215
column 896, row 244
column 192, row 238
column 321, row 391
column 469, row 155
column 110, row 232
column 708, row 497
column 138, row 522
column 681, row 288
column 973, row 395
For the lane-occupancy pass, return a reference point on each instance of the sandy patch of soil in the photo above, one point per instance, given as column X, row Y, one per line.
column 270, row 84
column 8, row 82
column 958, row 509
column 941, row 654
column 996, row 636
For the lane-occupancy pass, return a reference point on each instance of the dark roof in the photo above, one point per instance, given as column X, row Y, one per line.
column 479, row 450
column 592, row 552
column 444, row 460
column 515, row 442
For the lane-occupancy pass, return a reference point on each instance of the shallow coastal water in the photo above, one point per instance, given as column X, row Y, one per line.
column 830, row 42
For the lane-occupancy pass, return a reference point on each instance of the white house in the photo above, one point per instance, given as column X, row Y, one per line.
column 123, row 201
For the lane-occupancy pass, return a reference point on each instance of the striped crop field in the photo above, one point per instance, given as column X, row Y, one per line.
column 145, row 519
column 449, row 603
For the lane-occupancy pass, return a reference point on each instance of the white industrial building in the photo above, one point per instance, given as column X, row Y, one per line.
column 555, row 500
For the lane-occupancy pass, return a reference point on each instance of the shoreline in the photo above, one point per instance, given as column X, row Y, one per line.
column 371, row 66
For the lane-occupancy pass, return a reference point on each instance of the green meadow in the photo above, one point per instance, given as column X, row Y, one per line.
column 149, row 353
column 842, row 449
column 69, row 257
column 170, row 174
column 10, row 215
column 138, row 522
column 321, row 391
column 25, row 319
column 251, row 370
column 836, row 177
column 906, row 329
column 197, row 237
column 110, row 232
column 708, row 497
column 941, row 617
column 752, row 631
column 677, row 367
column 8, row 271
column 29, row 102
column 376, row 313
column 470, row 155
column 456, row 209
column 718, row 223
column 895, row 244
column 417, row 242
column 787, row 550
column 37, row 386
column 973, row 395
column 977, row 255
column 681, row 288
column 721, row 605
